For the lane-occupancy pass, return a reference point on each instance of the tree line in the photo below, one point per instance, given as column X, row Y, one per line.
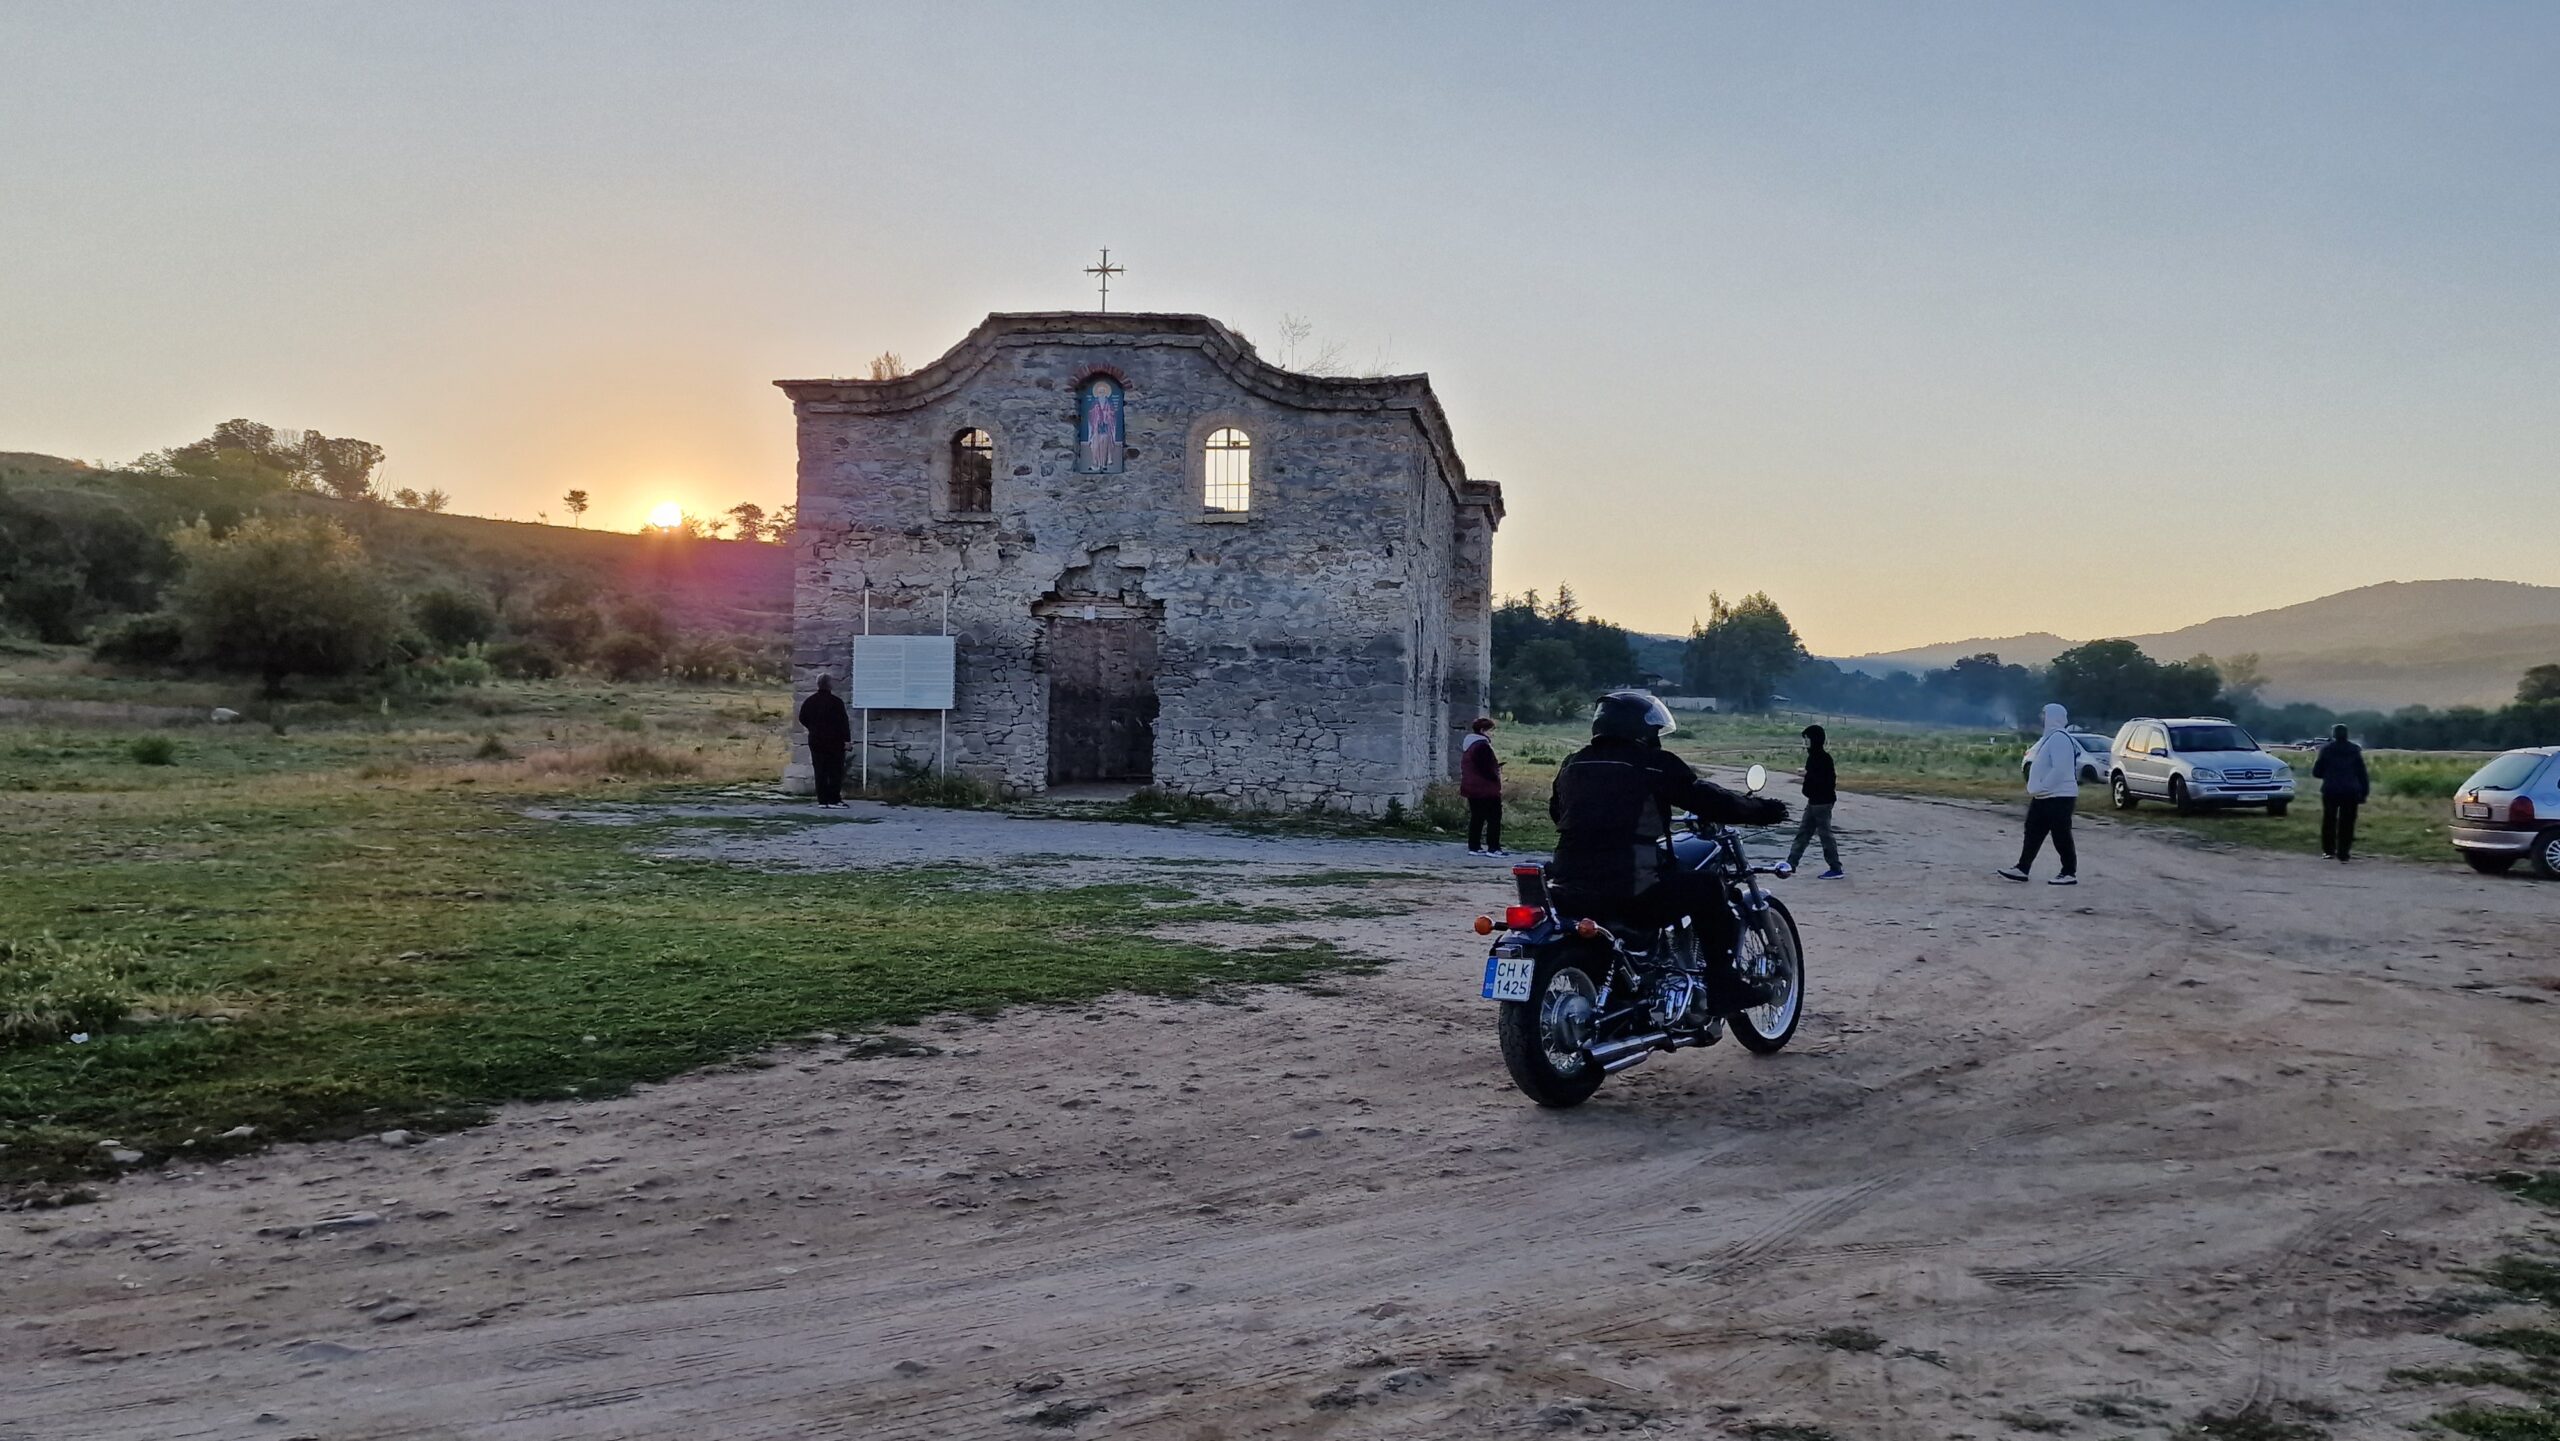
column 1550, row 660
column 208, row 555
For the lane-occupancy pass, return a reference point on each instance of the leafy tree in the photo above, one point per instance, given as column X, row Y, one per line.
column 453, row 619
column 749, row 520
column 782, row 524
column 282, row 596
column 343, row 467
column 1549, row 662
column 628, row 655
column 431, row 501
column 2540, row 684
column 564, row 619
column 1742, row 652
column 69, row 558
column 576, row 500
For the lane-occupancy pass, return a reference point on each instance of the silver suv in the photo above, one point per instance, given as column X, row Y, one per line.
column 2193, row 763
column 2510, row 811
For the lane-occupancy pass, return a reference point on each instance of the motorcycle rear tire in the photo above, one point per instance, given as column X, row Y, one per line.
column 1524, row 1051
column 1768, row 1043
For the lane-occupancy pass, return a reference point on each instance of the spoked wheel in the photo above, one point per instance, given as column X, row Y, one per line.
column 2546, row 855
column 2178, row 797
column 1543, row 1037
column 1772, row 952
column 2125, row 799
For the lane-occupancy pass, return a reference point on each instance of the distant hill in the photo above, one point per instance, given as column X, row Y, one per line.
column 699, row 585
column 2036, row 648
column 2379, row 647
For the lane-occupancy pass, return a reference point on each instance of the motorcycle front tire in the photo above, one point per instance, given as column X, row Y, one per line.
column 1524, row 1051
column 1782, row 1027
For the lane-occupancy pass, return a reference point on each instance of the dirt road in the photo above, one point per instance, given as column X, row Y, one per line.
column 2092, row 1160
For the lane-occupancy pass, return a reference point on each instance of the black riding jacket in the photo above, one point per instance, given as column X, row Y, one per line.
column 1612, row 806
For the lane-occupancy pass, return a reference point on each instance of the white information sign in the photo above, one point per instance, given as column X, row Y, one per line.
column 901, row 672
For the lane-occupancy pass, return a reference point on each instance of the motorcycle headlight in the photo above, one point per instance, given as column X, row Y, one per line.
column 2207, row 773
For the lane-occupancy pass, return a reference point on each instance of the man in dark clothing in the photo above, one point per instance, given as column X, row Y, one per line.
column 1821, row 791
column 1480, row 782
column 1612, row 807
column 2344, row 785
column 830, row 730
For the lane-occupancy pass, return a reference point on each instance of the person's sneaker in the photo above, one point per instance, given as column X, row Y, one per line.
column 2012, row 873
column 1833, row 874
column 1497, row 851
column 1475, row 850
column 2064, row 881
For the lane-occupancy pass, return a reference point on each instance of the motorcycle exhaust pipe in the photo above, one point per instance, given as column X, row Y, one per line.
column 1618, row 1055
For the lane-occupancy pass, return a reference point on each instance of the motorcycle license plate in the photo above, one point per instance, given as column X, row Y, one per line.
column 1506, row 978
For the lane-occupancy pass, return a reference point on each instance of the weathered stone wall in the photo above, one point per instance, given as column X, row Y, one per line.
column 1310, row 649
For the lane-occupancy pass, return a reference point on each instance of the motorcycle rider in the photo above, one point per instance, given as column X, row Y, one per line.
column 1612, row 807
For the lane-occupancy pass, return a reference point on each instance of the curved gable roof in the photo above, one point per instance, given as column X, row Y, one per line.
column 1230, row 352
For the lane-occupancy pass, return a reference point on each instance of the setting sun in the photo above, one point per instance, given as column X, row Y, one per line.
column 667, row 516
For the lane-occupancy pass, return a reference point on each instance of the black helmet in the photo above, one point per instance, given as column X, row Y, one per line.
column 1632, row 715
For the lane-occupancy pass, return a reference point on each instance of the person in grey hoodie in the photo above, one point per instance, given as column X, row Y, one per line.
column 2053, row 792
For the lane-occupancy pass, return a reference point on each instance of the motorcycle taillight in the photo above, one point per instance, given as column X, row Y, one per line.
column 1521, row 918
column 1532, row 884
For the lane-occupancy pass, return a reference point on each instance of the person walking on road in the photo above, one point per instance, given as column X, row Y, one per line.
column 1821, row 786
column 2053, row 792
column 1480, row 782
column 830, row 729
column 2344, row 786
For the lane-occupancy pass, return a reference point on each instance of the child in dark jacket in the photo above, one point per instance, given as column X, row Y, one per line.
column 1821, row 792
column 1480, row 781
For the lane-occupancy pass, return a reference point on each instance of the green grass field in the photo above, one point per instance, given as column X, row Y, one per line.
column 353, row 928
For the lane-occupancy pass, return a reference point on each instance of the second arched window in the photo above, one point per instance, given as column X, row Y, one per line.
column 973, row 472
column 1227, row 477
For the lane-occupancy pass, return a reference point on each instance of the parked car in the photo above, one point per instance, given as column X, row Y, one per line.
column 2510, row 811
column 2093, row 758
column 2193, row 763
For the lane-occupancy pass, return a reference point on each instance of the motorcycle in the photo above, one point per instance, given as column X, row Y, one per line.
column 1583, row 999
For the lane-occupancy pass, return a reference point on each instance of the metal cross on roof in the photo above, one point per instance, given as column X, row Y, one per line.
column 1106, row 270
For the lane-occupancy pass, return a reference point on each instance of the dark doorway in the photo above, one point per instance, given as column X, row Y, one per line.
column 1102, row 699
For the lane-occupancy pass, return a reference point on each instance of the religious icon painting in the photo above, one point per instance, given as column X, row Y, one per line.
column 1101, row 427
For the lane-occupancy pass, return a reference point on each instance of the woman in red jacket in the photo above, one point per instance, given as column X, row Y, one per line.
column 1480, row 781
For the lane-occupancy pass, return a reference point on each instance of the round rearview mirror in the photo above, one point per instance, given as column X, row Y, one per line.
column 1756, row 779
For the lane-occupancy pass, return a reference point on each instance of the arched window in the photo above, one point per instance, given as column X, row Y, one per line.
column 1227, row 487
column 973, row 471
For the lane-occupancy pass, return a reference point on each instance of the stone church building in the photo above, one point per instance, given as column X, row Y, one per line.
column 1161, row 559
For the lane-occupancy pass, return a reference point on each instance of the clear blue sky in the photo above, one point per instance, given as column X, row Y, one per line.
column 1931, row 321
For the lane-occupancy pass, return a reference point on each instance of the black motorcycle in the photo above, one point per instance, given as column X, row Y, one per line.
column 1583, row 999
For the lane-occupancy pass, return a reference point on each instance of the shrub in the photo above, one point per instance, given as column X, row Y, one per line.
column 706, row 660
column 493, row 749
column 466, row 670
column 284, row 595
column 152, row 639
column 51, row 989
column 153, row 751
column 631, row 758
column 453, row 619
column 524, row 659
column 629, row 655
column 912, row 783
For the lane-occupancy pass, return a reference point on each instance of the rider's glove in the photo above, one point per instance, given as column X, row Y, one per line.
column 1772, row 813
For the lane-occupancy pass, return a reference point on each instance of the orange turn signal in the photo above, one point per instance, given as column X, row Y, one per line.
column 1484, row 925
